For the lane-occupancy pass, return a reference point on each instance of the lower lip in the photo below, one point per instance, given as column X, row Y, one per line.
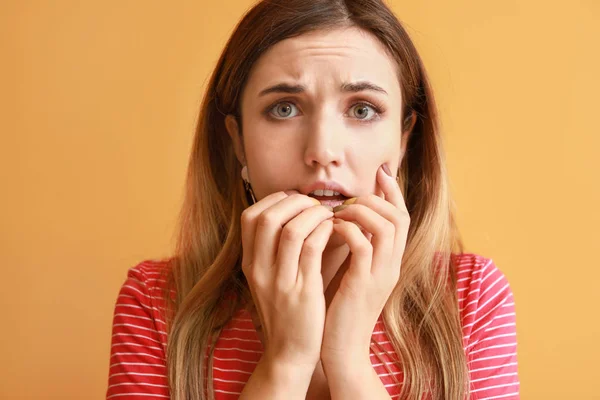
column 331, row 202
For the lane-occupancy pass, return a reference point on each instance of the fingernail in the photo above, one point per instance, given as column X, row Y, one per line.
column 386, row 169
column 328, row 207
column 317, row 202
column 351, row 200
column 339, row 208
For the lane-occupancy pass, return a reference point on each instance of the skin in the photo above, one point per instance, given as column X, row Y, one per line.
column 322, row 134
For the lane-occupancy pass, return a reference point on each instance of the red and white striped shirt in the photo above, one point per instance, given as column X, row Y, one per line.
column 138, row 365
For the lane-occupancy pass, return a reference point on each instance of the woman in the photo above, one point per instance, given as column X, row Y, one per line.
column 317, row 256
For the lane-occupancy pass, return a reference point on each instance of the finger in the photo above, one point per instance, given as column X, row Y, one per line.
column 361, row 249
column 387, row 210
column 248, row 223
column 391, row 190
column 332, row 279
column 378, row 191
column 382, row 207
column 309, row 265
column 383, row 230
column 292, row 239
column 269, row 225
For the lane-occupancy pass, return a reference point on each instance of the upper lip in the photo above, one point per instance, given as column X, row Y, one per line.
column 324, row 185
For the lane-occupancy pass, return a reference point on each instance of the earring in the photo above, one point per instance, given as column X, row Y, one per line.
column 247, row 186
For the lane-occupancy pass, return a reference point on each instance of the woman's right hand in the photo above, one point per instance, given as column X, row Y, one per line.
column 283, row 238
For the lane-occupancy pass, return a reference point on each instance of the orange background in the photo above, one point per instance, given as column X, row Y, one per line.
column 98, row 105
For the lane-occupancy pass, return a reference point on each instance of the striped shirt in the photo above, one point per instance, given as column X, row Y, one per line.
column 138, row 366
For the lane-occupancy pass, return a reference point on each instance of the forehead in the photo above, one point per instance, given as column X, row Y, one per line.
column 336, row 56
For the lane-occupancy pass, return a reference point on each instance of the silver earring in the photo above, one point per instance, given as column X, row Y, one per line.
column 247, row 185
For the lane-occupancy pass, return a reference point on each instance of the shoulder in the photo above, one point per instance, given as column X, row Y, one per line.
column 149, row 277
column 484, row 294
column 142, row 294
column 487, row 313
column 477, row 275
column 138, row 345
column 150, row 273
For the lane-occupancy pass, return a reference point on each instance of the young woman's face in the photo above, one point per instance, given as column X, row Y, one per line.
column 338, row 120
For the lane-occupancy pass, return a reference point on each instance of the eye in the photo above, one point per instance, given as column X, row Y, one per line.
column 361, row 111
column 364, row 112
column 282, row 110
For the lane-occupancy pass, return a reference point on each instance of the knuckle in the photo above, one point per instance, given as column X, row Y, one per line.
column 249, row 272
column 311, row 248
column 290, row 234
column 396, row 220
column 296, row 196
column 358, row 207
column 255, row 280
column 247, row 216
column 281, row 285
column 388, row 228
column 405, row 216
column 365, row 249
column 246, row 267
column 267, row 220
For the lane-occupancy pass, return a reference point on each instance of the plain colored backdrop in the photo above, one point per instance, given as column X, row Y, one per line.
column 98, row 103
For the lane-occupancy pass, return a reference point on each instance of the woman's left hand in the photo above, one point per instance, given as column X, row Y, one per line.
column 373, row 270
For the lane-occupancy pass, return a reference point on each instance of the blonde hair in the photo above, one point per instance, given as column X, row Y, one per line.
column 421, row 316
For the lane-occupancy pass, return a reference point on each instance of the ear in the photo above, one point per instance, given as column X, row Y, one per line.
column 407, row 127
column 234, row 133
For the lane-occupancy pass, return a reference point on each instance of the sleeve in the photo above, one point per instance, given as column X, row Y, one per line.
column 491, row 336
column 137, row 357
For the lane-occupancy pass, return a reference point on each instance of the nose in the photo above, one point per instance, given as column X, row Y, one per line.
column 325, row 141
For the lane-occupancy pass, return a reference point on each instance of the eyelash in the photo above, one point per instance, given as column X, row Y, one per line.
column 378, row 108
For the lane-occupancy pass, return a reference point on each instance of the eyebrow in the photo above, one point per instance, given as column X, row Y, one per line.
column 347, row 87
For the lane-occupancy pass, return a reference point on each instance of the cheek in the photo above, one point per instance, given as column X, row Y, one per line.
column 268, row 164
column 263, row 177
column 368, row 155
column 268, row 141
column 381, row 143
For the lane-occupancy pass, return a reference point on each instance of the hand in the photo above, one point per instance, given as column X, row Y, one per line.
column 283, row 238
column 373, row 270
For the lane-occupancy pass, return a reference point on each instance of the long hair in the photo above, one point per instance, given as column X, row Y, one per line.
column 421, row 316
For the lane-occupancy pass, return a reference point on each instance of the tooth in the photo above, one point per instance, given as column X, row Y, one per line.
column 326, row 193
